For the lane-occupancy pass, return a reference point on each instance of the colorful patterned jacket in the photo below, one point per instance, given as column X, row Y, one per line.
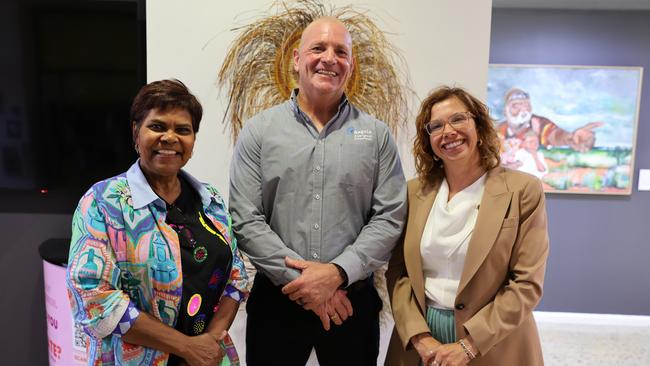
column 124, row 255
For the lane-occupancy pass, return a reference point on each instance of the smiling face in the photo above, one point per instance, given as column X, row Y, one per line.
column 164, row 140
column 324, row 59
column 454, row 146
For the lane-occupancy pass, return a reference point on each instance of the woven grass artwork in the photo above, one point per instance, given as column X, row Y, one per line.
column 258, row 69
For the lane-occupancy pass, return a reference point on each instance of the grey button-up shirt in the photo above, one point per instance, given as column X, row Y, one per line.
column 337, row 196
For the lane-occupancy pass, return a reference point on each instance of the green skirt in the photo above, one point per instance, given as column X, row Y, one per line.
column 442, row 325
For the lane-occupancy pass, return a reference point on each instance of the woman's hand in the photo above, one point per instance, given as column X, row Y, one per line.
column 204, row 350
column 450, row 354
column 426, row 346
column 453, row 354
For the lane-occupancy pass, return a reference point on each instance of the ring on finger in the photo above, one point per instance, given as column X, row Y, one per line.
column 334, row 317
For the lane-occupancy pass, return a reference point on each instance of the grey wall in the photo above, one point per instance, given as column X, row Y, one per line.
column 600, row 246
column 22, row 303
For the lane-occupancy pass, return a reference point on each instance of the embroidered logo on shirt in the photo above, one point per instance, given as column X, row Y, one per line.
column 360, row 135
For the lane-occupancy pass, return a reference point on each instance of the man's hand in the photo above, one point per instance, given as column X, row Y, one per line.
column 337, row 309
column 583, row 138
column 321, row 312
column 316, row 284
column 340, row 306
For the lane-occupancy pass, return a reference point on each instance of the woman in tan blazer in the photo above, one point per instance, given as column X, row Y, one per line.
column 469, row 269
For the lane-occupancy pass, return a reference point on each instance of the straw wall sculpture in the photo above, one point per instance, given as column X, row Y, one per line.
column 258, row 69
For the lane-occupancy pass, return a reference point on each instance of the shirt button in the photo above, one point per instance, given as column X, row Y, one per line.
column 314, row 255
column 316, row 226
column 317, row 196
column 317, row 168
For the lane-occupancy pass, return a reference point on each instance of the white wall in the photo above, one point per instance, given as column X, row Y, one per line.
column 442, row 41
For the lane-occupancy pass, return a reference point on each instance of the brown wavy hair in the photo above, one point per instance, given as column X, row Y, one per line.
column 430, row 172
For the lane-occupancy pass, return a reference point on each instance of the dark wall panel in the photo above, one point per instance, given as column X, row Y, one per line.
column 600, row 245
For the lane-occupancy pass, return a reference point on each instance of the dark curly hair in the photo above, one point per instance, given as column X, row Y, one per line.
column 430, row 172
column 165, row 95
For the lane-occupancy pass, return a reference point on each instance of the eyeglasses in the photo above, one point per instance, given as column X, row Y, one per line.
column 456, row 121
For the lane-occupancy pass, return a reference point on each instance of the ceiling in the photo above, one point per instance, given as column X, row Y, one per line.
column 574, row 4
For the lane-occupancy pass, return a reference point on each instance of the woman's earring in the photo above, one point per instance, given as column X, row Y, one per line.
column 137, row 149
column 480, row 142
column 437, row 160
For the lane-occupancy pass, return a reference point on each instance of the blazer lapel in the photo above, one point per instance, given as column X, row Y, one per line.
column 494, row 205
column 421, row 206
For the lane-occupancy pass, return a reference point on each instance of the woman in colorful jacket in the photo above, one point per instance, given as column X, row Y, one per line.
column 154, row 274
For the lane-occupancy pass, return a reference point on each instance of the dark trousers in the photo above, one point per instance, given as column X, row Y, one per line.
column 280, row 332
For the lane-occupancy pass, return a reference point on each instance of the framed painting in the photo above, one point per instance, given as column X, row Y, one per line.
column 574, row 127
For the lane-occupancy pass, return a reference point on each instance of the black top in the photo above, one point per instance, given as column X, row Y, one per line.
column 206, row 261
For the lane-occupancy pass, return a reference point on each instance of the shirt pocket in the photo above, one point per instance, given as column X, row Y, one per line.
column 356, row 165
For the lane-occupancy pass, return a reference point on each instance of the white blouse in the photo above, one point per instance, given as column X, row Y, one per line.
column 444, row 241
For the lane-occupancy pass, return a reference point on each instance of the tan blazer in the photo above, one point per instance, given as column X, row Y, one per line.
column 502, row 278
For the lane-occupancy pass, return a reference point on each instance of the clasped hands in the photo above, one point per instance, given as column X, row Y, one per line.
column 204, row 350
column 317, row 289
column 434, row 353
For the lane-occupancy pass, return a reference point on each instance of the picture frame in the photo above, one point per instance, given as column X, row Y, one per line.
column 574, row 127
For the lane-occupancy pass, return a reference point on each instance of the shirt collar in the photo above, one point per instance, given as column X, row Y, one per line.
column 335, row 122
column 142, row 194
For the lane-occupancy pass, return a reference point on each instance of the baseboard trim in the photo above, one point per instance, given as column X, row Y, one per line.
column 592, row 319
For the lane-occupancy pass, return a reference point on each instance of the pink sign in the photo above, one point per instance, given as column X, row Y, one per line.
column 66, row 342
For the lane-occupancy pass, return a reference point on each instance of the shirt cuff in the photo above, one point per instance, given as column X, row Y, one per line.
column 352, row 266
column 343, row 274
column 233, row 293
column 281, row 277
column 127, row 320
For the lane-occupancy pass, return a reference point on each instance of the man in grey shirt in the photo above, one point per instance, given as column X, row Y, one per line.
column 318, row 201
